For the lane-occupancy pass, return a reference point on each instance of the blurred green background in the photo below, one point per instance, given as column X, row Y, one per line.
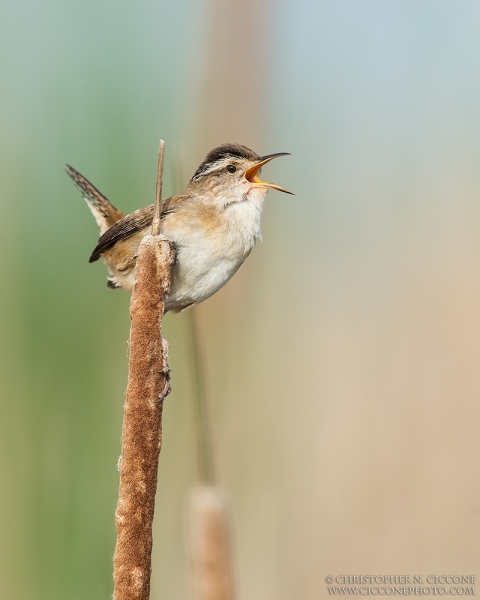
column 343, row 360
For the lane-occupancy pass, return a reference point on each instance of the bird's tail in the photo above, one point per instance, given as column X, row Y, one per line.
column 104, row 212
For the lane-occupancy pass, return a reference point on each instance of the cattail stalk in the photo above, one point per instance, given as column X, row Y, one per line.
column 148, row 382
column 158, row 190
column 204, row 446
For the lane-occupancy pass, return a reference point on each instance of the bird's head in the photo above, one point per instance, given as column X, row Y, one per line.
column 230, row 174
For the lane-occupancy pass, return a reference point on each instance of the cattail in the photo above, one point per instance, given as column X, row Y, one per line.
column 142, row 424
column 210, row 545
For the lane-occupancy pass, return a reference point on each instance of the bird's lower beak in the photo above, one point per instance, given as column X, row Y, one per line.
column 251, row 174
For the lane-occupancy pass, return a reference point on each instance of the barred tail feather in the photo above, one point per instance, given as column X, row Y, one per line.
column 104, row 212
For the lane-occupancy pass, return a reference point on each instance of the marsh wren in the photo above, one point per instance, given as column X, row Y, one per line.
column 213, row 226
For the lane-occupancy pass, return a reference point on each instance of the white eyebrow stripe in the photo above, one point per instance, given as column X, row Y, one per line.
column 214, row 166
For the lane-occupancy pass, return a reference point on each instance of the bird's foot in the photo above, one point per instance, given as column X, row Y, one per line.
column 164, row 393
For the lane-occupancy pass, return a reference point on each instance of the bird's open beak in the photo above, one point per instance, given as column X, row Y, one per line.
column 251, row 174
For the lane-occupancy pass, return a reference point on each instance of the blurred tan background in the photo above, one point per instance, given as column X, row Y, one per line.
column 343, row 360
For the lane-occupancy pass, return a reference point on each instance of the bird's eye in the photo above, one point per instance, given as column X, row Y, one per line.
column 231, row 168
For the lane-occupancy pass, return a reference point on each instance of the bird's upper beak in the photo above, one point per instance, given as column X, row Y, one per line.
column 251, row 174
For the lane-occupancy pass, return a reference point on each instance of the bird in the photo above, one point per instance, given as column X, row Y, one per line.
column 213, row 226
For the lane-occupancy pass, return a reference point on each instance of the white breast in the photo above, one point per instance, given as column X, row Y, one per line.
column 206, row 260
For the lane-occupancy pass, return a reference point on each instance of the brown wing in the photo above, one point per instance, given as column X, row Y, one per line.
column 129, row 225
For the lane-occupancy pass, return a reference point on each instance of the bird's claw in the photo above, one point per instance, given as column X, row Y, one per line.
column 164, row 393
